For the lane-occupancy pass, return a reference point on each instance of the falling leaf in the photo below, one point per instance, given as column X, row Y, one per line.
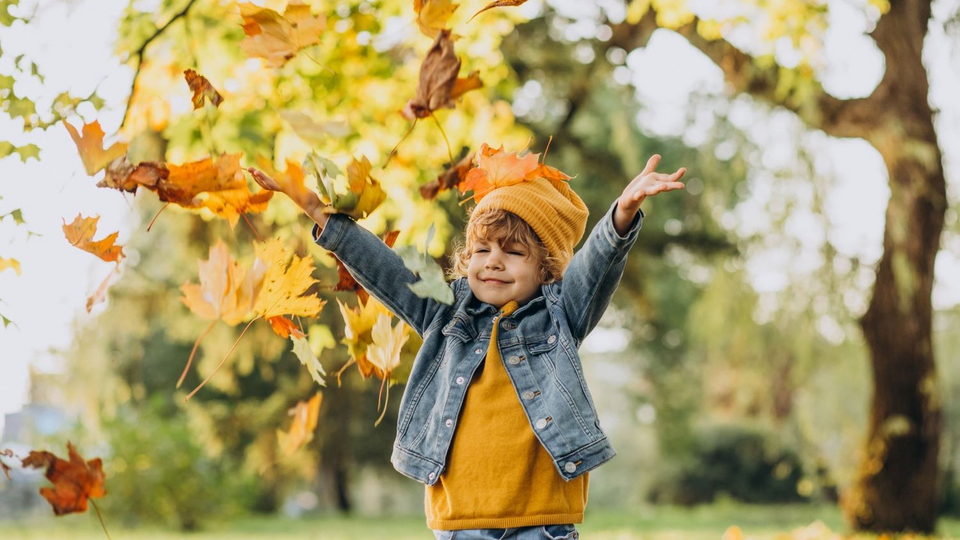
column 230, row 204
column 346, row 281
column 202, row 89
column 358, row 333
column 301, row 348
column 498, row 3
column 384, row 352
column 275, row 37
column 432, row 283
column 10, row 263
column 291, row 181
column 100, row 295
column 364, row 193
column 284, row 327
column 305, row 415
column 185, row 182
column 226, row 290
column 312, row 131
column 123, row 175
column 90, row 145
column 497, row 169
column 449, row 179
column 73, row 481
column 284, row 285
column 80, row 234
column 438, row 78
column 432, row 15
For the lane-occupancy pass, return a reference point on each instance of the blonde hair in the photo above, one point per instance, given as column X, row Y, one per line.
column 506, row 228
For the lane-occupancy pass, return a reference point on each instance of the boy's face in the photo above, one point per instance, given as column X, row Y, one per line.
column 500, row 273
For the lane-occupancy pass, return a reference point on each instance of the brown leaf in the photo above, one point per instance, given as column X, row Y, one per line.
column 6, row 452
column 499, row 3
column 80, row 234
column 449, row 179
column 305, row 415
column 438, row 77
column 346, row 281
column 73, row 481
column 90, row 146
column 202, row 89
column 123, row 175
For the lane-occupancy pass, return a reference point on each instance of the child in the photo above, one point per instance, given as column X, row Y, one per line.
column 527, row 431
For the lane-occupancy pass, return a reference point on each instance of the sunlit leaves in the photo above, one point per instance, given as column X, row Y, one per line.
column 90, row 145
column 363, row 194
column 312, row 131
column 285, row 285
column 301, row 348
column 12, row 264
column 25, row 152
column 432, row 15
column 498, row 168
column 305, row 415
column 80, row 234
column 358, row 333
column 202, row 89
column 226, row 289
column 438, row 79
column 74, row 480
column 276, row 37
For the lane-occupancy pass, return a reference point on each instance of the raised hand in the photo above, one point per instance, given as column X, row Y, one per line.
column 307, row 200
column 646, row 184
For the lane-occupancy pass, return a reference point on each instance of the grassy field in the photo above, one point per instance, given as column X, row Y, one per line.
column 703, row 523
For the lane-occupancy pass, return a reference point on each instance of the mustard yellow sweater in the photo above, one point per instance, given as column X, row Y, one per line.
column 498, row 474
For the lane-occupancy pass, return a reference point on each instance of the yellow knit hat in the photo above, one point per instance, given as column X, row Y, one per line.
column 550, row 207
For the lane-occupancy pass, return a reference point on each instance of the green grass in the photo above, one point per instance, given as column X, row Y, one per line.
column 646, row 523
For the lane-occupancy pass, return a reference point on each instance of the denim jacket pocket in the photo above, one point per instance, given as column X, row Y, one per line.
column 542, row 344
column 460, row 328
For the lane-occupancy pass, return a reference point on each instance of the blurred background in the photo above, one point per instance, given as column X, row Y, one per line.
column 781, row 354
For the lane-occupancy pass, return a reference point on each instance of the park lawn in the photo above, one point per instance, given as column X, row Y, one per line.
column 795, row 522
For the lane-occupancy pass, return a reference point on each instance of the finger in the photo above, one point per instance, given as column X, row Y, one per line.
column 651, row 165
column 678, row 175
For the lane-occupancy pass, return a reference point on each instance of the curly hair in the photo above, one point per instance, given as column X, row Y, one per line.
column 504, row 227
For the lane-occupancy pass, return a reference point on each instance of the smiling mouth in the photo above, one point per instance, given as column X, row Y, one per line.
column 494, row 282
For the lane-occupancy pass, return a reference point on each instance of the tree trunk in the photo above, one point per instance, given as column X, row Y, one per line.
column 896, row 488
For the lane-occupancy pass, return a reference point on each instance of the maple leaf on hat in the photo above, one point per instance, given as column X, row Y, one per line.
column 448, row 179
column 498, row 168
column 202, row 89
column 80, row 233
column 439, row 86
column 90, row 146
column 74, row 481
column 305, row 416
column 432, row 15
column 275, row 37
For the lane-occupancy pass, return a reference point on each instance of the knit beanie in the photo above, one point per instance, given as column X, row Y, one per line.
column 550, row 207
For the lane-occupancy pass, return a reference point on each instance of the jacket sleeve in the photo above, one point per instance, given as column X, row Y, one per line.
column 594, row 273
column 378, row 269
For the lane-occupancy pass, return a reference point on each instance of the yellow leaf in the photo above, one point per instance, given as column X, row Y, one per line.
column 358, row 332
column 432, row 15
column 384, row 352
column 226, row 291
column 305, row 415
column 283, row 284
column 10, row 263
column 90, row 146
column 301, row 348
column 275, row 37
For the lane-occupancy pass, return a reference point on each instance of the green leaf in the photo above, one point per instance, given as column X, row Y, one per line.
column 20, row 107
column 6, row 149
column 6, row 322
column 432, row 283
column 28, row 151
column 301, row 348
column 326, row 172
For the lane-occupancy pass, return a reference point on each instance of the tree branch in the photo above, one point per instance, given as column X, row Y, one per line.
column 143, row 47
column 811, row 103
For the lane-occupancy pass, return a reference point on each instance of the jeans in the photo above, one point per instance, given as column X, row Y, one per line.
column 545, row 532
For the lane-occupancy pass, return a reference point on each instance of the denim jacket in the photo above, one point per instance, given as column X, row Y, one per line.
column 538, row 343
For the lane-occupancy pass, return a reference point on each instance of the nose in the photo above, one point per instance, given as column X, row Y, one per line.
column 494, row 260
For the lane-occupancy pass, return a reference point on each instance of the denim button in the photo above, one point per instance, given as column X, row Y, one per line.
column 528, row 395
column 551, row 339
column 513, row 360
column 570, row 467
column 541, row 423
column 449, row 422
column 479, row 351
column 431, row 476
column 459, row 380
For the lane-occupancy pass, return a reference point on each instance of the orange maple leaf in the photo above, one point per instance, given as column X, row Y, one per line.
column 284, row 285
column 276, row 37
column 202, row 89
column 186, row 181
column 497, row 168
column 305, row 415
column 90, row 146
column 284, row 327
column 439, row 86
column 73, row 481
column 230, row 204
column 80, row 234
column 226, row 290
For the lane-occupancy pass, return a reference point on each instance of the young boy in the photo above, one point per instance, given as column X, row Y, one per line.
column 496, row 418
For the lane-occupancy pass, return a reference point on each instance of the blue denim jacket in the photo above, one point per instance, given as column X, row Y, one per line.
column 538, row 343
